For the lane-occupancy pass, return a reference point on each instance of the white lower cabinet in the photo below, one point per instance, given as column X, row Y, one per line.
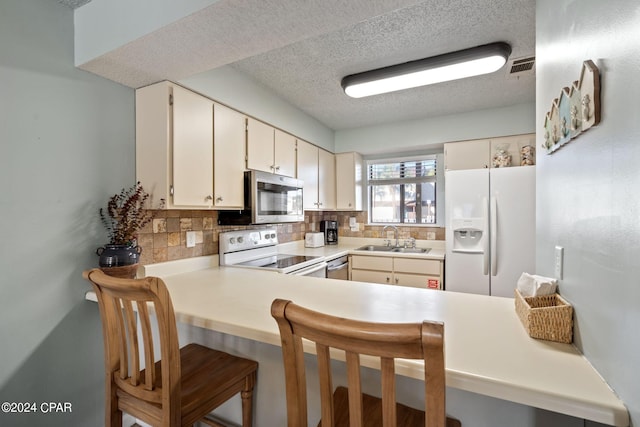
column 400, row 271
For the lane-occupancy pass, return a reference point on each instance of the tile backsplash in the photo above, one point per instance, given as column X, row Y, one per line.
column 164, row 238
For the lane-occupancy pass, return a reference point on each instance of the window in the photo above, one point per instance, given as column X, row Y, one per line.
column 402, row 191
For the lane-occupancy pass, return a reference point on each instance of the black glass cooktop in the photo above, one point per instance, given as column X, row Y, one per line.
column 278, row 261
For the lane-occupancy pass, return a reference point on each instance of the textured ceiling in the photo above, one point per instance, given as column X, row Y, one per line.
column 301, row 50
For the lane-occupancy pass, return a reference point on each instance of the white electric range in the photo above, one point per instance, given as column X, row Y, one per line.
column 258, row 249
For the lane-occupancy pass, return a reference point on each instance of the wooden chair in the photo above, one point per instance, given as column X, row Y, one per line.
column 185, row 384
column 348, row 406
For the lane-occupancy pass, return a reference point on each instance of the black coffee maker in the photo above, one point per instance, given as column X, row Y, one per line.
column 330, row 230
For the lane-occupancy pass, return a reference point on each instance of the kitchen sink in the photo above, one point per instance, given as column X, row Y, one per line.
column 412, row 250
column 375, row 248
column 381, row 248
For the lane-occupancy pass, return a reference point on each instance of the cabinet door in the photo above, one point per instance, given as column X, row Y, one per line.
column 349, row 181
column 284, row 153
column 153, row 142
column 326, row 180
column 467, row 155
column 418, row 266
column 192, row 149
column 416, row 281
column 259, row 146
column 229, row 153
column 371, row 276
column 308, row 172
column 372, row 263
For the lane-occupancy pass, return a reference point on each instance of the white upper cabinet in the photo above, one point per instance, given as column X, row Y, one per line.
column 317, row 170
column 308, row 173
column 284, row 153
column 190, row 153
column 192, row 149
column 229, row 154
column 483, row 153
column 174, row 146
column 270, row 149
column 349, row 182
column 326, row 180
column 467, row 154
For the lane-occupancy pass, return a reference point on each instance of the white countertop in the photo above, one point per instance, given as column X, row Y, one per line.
column 487, row 350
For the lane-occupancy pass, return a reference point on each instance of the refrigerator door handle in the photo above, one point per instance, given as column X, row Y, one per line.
column 493, row 232
column 485, row 215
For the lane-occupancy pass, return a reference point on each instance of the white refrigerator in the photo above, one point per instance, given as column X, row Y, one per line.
column 490, row 229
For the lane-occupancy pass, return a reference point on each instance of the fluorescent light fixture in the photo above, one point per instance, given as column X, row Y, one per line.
column 442, row 68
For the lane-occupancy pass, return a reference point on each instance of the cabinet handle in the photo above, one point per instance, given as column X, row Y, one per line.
column 208, row 198
column 219, row 199
column 277, row 168
column 388, row 279
column 271, row 167
column 396, row 280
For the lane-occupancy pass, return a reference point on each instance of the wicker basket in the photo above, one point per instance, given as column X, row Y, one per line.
column 547, row 317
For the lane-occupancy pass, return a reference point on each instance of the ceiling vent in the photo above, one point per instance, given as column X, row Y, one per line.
column 521, row 67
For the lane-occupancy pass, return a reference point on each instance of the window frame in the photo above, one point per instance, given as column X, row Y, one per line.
column 406, row 180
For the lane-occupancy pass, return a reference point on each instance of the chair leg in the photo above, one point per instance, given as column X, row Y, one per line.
column 113, row 416
column 247, row 400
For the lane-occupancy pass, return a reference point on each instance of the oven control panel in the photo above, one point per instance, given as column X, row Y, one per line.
column 233, row 241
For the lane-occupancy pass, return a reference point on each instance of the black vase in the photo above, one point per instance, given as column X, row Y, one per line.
column 118, row 255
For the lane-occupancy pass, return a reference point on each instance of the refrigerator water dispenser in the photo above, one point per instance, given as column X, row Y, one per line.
column 467, row 235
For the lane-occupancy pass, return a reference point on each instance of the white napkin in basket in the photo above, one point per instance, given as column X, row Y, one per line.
column 531, row 285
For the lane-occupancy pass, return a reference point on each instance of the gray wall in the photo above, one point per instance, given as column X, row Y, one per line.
column 429, row 133
column 66, row 145
column 588, row 191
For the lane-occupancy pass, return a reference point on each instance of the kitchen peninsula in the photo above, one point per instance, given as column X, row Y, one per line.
column 487, row 350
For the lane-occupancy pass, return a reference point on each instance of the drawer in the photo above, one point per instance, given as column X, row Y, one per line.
column 418, row 266
column 371, row 276
column 372, row 263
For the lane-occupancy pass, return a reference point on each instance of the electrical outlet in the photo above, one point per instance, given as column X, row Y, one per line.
column 191, row 239
column 558, row 262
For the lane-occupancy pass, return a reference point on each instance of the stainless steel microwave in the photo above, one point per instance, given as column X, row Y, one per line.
column 268, row 199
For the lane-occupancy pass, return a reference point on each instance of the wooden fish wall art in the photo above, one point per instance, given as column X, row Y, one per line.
column 575, row 111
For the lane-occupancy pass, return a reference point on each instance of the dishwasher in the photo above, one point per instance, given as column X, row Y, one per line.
column 338, row 268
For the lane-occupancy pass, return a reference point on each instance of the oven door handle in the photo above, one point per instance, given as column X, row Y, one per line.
column 310, row 270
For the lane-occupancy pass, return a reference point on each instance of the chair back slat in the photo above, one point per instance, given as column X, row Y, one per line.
column 388, row 384
column 355, row 388
column 387, row 342
column 147, row 339
column 132, row 350
column 120, row 338
column 326, row 384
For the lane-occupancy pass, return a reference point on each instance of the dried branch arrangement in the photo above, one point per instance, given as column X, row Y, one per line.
column 126, row 213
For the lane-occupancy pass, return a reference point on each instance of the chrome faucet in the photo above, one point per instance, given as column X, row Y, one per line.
column 395, row 233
